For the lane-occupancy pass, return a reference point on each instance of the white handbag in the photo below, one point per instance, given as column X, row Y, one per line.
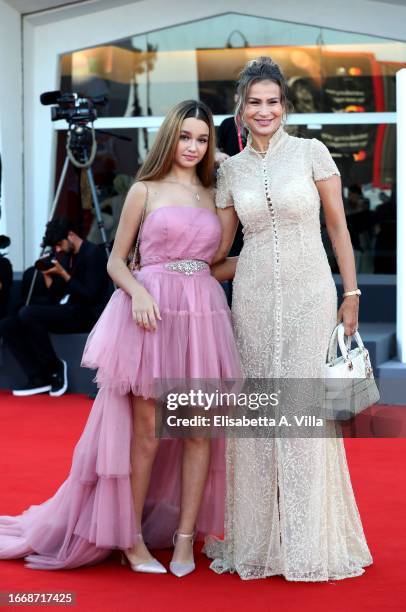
column 350, row 386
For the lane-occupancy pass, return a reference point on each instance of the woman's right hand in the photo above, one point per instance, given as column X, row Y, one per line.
column 145, row 310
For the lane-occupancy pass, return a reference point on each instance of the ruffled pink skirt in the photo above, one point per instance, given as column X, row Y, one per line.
column 92, row 511
column 194, row 340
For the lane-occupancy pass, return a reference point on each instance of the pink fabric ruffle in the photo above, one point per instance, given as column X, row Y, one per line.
column 92, row 512
column 194, row 340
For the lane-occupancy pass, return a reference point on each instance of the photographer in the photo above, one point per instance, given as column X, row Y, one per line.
column 79, row 292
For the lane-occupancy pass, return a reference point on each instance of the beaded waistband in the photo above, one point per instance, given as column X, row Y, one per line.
column 185, row 266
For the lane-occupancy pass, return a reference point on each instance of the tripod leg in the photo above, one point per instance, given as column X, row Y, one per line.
column 97, row 211
column 53, row 208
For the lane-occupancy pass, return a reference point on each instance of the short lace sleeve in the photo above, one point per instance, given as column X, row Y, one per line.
column 223, row 195
column 323, row 164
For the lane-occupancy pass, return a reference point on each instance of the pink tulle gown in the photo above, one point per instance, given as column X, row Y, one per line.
column 92, row 512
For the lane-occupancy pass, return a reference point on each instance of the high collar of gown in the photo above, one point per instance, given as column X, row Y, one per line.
column 274, row 143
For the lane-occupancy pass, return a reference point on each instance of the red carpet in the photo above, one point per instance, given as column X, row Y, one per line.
column 37, row 436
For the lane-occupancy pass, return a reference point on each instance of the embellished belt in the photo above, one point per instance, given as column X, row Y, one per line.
column 187, row 266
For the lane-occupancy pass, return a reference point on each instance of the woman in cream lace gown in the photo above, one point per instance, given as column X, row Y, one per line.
column 290, row 507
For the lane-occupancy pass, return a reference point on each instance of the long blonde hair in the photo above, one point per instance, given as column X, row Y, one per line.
column 160, row 158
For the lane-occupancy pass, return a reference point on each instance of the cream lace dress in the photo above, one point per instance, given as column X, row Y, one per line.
column 290, row 507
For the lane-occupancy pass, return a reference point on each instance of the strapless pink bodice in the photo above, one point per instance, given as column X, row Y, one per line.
column 179, row 232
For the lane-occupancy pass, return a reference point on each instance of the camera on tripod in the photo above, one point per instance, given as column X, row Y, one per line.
column 72, row 107
column 80, row 112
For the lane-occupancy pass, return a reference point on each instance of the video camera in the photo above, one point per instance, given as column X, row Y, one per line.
column 71, row 106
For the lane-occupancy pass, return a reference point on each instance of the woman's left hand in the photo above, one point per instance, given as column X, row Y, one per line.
column 348, row 314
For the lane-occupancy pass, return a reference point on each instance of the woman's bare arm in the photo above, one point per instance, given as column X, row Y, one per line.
column 144, row 308
column 224, row 270
column 229, row 222
column 125, row 236
column 331, row 198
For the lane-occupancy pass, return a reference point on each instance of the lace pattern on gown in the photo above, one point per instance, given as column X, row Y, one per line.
column 290, row 507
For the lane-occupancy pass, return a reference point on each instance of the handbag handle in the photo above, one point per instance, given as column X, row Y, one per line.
column 343, row 341
column 333, row 345
column 345, row 346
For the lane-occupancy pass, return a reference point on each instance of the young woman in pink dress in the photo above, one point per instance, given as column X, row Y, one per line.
column 168, row 320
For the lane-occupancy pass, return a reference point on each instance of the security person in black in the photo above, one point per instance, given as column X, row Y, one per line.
column 78, row 295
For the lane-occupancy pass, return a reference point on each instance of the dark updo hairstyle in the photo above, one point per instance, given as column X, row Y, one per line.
column 254, row 71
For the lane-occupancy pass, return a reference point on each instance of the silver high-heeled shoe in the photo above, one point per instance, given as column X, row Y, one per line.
column 148, row 567
column 178, row 568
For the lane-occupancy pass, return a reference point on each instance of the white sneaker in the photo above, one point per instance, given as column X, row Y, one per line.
column 33, row 387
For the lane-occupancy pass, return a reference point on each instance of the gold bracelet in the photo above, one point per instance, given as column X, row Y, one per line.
column 354, row 292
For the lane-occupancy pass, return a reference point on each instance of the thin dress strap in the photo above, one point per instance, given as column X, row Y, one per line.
column 135, row 260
